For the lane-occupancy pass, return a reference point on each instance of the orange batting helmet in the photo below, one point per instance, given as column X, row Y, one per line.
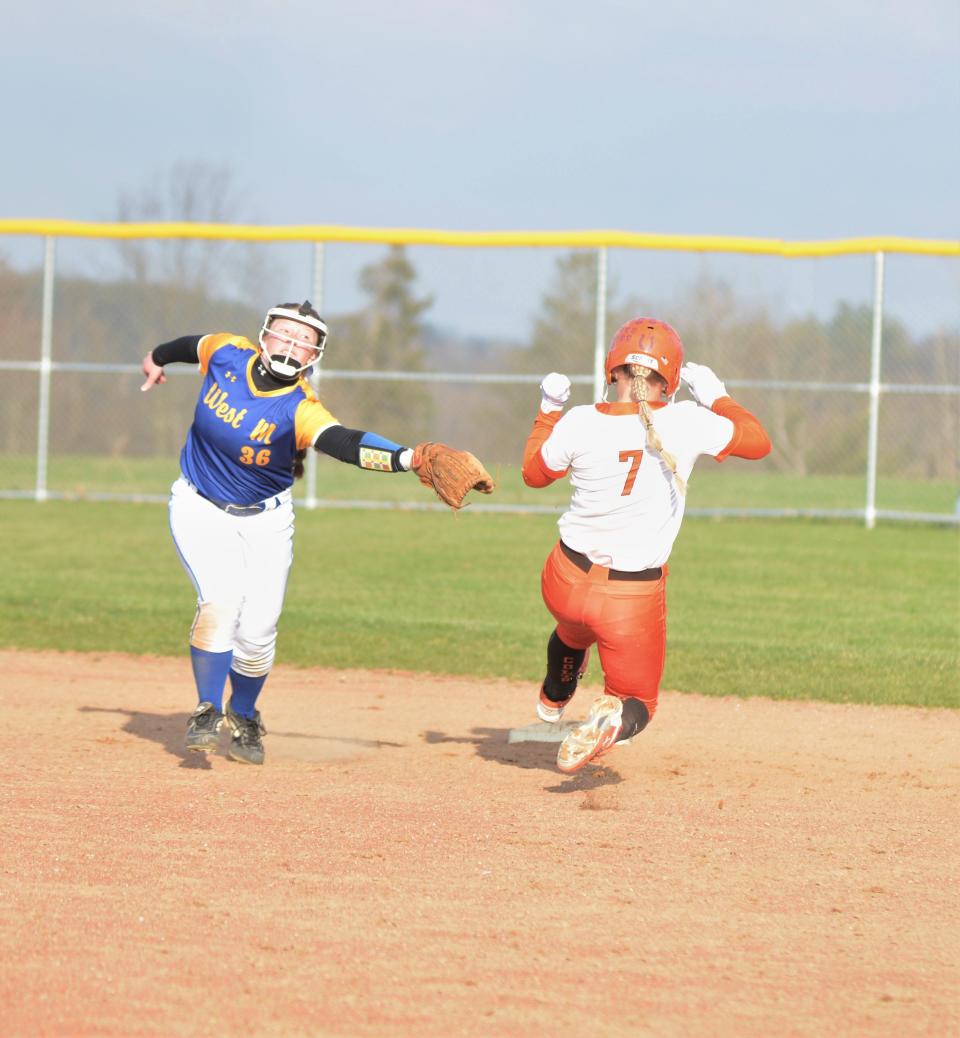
column 651, row 344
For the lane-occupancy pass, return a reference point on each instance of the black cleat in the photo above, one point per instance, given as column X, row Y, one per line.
column 203, row 728
column 246, row 745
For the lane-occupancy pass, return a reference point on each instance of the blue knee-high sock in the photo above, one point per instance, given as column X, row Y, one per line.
column 243, row 697
column 210, row 674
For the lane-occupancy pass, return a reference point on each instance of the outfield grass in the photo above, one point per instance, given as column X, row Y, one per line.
column 787, row 609
column 736, row 484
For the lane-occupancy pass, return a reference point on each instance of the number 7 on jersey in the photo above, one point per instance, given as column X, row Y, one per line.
column 634, row 468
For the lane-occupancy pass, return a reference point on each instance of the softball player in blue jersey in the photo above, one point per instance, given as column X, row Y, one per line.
column 231, row 510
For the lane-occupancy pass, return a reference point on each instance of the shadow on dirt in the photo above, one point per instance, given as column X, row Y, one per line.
column 491, row 744
column 168, row 731
column 165, row 729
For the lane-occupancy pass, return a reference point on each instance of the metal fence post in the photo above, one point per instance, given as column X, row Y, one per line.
column 870, row 512
column 316, row 374
column 46, row 353
column 600, row 336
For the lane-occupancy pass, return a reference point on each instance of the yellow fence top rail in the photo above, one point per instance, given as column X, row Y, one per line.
column 483, row 239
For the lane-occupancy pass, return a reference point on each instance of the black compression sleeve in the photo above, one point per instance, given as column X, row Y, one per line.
column 340, row 443
column 185, row 350
column 344, row 445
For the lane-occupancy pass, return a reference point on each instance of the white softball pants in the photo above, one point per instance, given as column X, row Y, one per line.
column 239, row 567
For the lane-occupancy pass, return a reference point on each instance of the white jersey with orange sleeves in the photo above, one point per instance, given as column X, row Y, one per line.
column 626, row 511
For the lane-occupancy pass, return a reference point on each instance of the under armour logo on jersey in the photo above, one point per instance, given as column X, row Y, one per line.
column 230, row 375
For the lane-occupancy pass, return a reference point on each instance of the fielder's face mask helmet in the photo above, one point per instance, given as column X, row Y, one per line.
column 651, row 344
column 277, row 350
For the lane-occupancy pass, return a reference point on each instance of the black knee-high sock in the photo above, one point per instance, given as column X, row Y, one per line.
column 562, row 666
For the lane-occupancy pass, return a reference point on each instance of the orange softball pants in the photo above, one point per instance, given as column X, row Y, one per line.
column 627, row 620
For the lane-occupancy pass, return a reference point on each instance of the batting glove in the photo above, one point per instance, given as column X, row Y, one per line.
column 554, row 392
column 703, row 384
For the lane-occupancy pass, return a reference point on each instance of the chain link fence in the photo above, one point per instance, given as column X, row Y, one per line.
column 849, row 352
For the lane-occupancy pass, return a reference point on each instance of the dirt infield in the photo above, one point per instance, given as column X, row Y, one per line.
column 398, row 867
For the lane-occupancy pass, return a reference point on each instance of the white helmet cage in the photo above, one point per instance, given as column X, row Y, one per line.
column 282, row 363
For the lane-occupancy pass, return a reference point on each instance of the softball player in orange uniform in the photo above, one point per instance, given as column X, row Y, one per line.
column 628, row 461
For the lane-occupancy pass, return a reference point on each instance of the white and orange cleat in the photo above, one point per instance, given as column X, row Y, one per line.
column 594, row 736
column 550, row 710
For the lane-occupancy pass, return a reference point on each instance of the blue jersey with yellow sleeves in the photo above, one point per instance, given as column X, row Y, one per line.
column 243, row 441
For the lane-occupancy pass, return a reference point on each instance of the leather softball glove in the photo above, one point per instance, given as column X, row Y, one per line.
column 450, row 472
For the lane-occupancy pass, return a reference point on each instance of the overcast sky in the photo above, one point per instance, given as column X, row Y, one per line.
column 797, row 119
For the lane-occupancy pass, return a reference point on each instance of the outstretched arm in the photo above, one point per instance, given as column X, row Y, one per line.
column 184, row 350
column 366, row 450
column 451, row 473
